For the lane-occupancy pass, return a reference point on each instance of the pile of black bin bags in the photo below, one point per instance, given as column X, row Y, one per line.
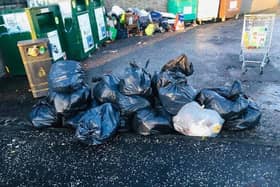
column 136, row 101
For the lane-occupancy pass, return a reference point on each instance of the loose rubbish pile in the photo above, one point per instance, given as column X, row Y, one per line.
column 137, row 101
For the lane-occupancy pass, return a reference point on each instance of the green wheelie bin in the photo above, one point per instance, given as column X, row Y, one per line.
column 46, row 22
column 78, row 30
column 186, row 7
column 98, row 20
column 14, row 27
column 77, row 26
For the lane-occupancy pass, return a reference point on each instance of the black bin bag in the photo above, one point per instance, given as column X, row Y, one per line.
column 43, row 115
column 249, row 119
column 106, row 89
column 230, row 92
column 72, row 121
column 150, row 122
column 180, row 64
column 174, row 91
column 69, row 103
column 98, row 124
column 66, row 76
column 135, row 81
column 225, row 107
column 128, row 105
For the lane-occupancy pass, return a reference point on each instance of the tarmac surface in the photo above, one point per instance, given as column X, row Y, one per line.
column 52, row 157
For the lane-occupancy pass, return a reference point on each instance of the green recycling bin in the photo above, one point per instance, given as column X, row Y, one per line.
column 98, row 20
column 14, row 27
column 78, row 30
column 77, row 26
column 46, row 22
column 186, row 7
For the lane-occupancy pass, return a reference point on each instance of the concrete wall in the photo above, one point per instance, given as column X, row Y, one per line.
column 249, row 6
column 154, row 4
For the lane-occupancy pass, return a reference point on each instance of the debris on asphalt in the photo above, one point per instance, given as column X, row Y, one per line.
column 134, row 21
column 136, row 100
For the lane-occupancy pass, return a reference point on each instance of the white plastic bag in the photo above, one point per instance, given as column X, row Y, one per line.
column 193, row 120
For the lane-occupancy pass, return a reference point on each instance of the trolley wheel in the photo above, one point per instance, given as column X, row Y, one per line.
column 244, row 71
column 267, row 60
column 261, row 70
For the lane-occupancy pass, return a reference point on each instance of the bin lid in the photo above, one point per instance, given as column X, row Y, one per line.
column 32, row 42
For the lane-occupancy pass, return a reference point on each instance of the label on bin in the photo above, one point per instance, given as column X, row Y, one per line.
column 101, row 26
column 233, row 4
column 44, row 10
column 56, row 49
column 86, row 32
column 187, row 10
column 16, row 22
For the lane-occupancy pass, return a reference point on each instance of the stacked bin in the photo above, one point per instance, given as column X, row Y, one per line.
column 14, row 27
column 186, row 7
column 207, row 10
column 46, row 22
column 229, row 9
column 98, row 19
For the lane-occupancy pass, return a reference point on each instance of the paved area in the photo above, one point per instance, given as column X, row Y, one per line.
column 52, row 157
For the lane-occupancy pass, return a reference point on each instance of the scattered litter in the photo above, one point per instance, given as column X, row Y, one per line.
column 111, row 51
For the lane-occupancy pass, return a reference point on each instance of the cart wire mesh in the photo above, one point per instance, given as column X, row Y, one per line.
column 256, row 39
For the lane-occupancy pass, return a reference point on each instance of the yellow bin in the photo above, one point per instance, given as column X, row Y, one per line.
column 37, row 62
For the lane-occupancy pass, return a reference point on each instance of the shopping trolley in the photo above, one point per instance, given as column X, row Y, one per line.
column 256, row 40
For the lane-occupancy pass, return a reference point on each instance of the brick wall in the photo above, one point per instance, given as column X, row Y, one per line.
column 154, row 4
